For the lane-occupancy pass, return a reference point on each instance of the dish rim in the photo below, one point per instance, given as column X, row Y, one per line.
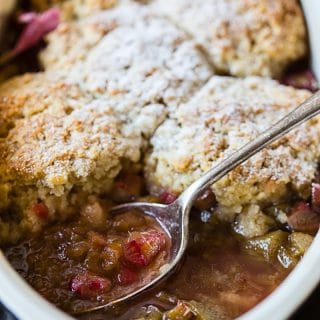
column 21, row 299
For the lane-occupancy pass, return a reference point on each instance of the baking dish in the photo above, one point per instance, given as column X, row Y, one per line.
column 26, row 304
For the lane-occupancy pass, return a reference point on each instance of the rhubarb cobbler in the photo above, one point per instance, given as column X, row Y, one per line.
column 133, row 101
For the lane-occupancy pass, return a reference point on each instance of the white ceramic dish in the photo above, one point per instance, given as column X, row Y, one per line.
column 27, row 304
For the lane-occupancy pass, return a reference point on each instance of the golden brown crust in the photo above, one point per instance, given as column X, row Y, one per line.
column 70, row 130
column 249, row 37
column 224, row 115
column 73, row 9
column 60, row 143
column 58, row 134
column 112, row 78
column 139, row 61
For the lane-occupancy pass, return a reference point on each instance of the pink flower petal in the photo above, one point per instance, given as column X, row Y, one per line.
column 27, row 17
column 37, row 29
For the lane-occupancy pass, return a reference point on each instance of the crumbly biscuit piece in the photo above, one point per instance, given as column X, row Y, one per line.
column 222, row 117
column 139, row 61
column 249, row 37
column 129, row 49
column 66, row 134
column 57, row 143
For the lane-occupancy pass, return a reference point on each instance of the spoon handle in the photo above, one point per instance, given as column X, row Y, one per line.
column 304, row 112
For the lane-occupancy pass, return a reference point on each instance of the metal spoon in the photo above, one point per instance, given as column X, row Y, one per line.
column 174, row 218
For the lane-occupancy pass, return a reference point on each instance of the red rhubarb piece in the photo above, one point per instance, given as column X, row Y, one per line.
column 167, row 197
column 128, row 186
column 304, row 79
column 303, row 218
column 132, row 252
column 142, row 247
column 127, row 276
column 87, row 285
column 315, row 196
column 41, row 210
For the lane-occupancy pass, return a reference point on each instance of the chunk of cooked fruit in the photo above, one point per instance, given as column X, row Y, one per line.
column 88, row 285
column 303, row 218
column 287, row 248
column 41, row 210
column 167, row 298
column 149, row 199
column 301, row 79
column 315, row 196
column 78, row 250
column 167, row 197
column 300, row 242
column 205, row 201
column 267, row 245
column 286, row 257
column 129, row 221
column 133, row 254
column 97, row 240
column 94, row 213
column 183, row 311
column 142, row 247
column 127, row 276
column 93, row 261
column 150, row 313
column 110, row 258
column 127, row 187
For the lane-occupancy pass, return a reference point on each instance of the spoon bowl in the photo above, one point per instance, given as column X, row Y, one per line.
column 169, row 218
